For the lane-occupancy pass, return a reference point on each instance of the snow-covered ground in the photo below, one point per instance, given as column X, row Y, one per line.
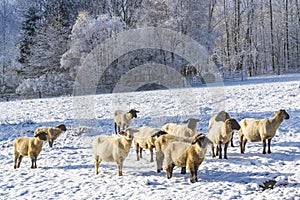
column 67, row 172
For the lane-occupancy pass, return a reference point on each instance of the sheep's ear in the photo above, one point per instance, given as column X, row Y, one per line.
column 194, row 141
column 276, row 112
column 122, row 133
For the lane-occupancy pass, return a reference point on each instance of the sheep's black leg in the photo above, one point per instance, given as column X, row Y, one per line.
column 151, row 154
column 244, row 141
column 269, row 145
column 264, row 146
column 33, row 163
column 225, row 149
column 169, row 170
column 51, row 142
column 115, row 128
column 241, row 144
column 213, row 151
column 217, row 150
column 137, row 149
column 119, row 129
column 220, row 150
column 183, row 170
column 19, row 160
column 231, row 141
column 141, row 154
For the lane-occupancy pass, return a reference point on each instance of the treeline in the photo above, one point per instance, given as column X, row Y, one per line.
column 43, row 42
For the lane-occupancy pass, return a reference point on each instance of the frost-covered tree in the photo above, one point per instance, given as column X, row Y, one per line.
column 88, row 32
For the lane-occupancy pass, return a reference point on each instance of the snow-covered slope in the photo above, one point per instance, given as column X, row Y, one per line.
column 67, row 171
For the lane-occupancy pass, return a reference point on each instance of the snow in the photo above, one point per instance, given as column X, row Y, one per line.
column 67, row 171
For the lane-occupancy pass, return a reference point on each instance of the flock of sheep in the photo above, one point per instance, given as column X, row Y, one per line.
column 174, row 144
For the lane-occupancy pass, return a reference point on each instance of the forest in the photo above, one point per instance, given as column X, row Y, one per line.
column 43, row 43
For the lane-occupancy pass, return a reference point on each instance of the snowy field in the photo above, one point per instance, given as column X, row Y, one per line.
column 67, row 172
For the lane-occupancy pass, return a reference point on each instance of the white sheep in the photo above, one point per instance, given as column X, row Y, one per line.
column 112, row 149
column 143, row 140
column 31, row 147
column 53, row 132
column 182, row 130
column 221, row 116
column 123, row 118
column 221, row 133
column 255, row 130
column 186, row 155
column 162, row 140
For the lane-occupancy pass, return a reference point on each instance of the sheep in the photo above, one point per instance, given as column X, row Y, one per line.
column 221, row 116
column 255, row 130
column 112, row 149
column 221, row 133
column 122, row 118
column 163, row 139
column 183, row 130
column 25, row 146
column 143, row 140
column 53, row 132
column 186, row 155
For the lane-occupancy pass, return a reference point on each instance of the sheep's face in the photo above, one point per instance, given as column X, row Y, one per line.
column 233, row 123
column 222, row 116
column 158, row 134
column 133, row 113
column 42, row 135
column 128, row 133
column 191, row 120
column 201, row 139
column 62, row 127
column 283, row 114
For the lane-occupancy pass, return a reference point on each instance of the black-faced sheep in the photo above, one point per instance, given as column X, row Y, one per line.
column 31, row 147
column 221, row 116
column 163, row 139
column 184, row 154
column 255, row 130
column 122, row 118
column 183, row 130
column 53, row 132
column 221, row 133
column 112, row 149
column 143, row 140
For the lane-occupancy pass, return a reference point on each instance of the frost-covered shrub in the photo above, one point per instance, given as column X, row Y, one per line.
column 46, row 85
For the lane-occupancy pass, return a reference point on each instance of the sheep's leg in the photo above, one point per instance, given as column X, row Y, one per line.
column 269, row 145
column 169, row 170
column 19, row 160
column 51, row 142
column 33, row 162
column 159, row 161
column 183, row 170
column 193, row 173
column 225, row 149
column 151, row 154
column 231, row 141
column 137, row 149
column 219, row 147
column 241, row 144
column 264, row 146
column 120, row 166
column 141, row 150
column 16, row 156
column 213, row 150
column 116, row 128
column 217, row 150
column 244, row 142
column 97, row 163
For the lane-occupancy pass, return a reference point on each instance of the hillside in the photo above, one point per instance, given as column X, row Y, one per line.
column 67, row 171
